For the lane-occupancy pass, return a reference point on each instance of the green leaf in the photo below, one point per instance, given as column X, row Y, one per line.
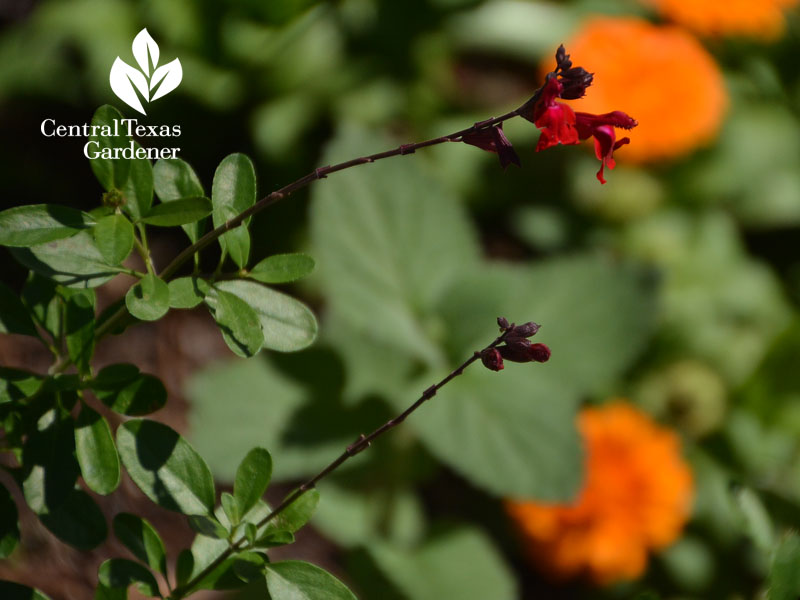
column 208, row 526
column 50, row 467
column 298, row 580
column 141, row 538
column 249, row 566
column 298, row 513
column 16, row 384
column 138, row 189
column 40, row 223
column 237, row 244
column 187, row 292
column 113, row 236
column 79, row 325
column 10, row 590
column 231, row 508
column 273, row 538
column 438, row 569
column 252, row 478
column 288, row 324
column 97, row 455
column 784, row 574
column 148, row 300
column 166, row 467
column 112, row 173
column 119, row 573
column 184, row 566
column 394, row 240
column 14, row 317
column 282, row 268
column 175, row 179
column 9, row 525
column 233, row 191
column 125, row 390
column 178, row 212
column 239, row 323
column 78, row 521
column 40, row 297
column 72, row 262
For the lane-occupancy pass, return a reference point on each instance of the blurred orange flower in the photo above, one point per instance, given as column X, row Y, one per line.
column 659, row 74
column 636, row 497
column 763, row 19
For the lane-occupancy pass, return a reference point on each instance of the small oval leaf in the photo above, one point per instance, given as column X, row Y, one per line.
column 138, row 189
column 148, row 300
column 173, row 179
column 208, row 526
column 97, row 455
column 178, row 212
column 282, row 268
column 120, row 573
column 78, row 521
column 114, row 238
column 239, row 323
column 109, row 131
column 300, row 580
column 252, row 479
column 141, row 538
column 233, row 191
column 288, row 324
column 298, row 513
column 139, row 395
column 187, row 292
column 166, row 467
column 39, row 223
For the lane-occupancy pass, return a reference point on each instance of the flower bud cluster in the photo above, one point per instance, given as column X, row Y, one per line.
column 516, row 346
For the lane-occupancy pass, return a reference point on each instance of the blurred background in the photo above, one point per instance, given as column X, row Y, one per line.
column 671, row 291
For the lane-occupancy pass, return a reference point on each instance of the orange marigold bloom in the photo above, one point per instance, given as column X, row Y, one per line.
column 763, row 19
column 659, row 74
column 636, row 497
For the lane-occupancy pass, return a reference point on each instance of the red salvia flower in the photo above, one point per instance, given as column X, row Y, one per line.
column 556, row 120
column 601, row 127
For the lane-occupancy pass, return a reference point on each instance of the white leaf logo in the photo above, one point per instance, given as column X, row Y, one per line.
column 127, row 80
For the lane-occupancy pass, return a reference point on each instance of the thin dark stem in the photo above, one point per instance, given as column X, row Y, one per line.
column 361, row 444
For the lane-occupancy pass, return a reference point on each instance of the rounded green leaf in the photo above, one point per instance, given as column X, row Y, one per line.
column 148, row 300
column 78, row 521
column 249, row 566
column 237, row 243
column 298, row 513
column 114, row 238
column 10, row 590
column 178, row 212
column 79, row 326
column 127, row 391
column 109, row 132
column 208, row 526
column 282, row 268
column 141, row 538
column 231, row 508
column 252, row 479
column 9, row 525
column 300, row 580
column 175, row 179
column 187, row 292
column 239, row 323
column 14, row 317
column 233, row 191
column 166, row 467
column 120, row 573
column 97, row 455
column 288, row 324
column 138, row 189
column 39, row 223
column 73, row 262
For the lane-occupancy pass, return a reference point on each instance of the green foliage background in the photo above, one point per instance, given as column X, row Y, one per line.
column 675, row 286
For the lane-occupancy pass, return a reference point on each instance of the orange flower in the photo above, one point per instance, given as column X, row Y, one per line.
column 659, row 74
column 636, row 497
column 762, row 19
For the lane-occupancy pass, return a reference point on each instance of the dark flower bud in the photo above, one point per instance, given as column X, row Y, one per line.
column 492, row 359
column 539, row 352
column 502, row 323
column 494, row 140
column 562, row 58
column 575, row 81
column 525, row 330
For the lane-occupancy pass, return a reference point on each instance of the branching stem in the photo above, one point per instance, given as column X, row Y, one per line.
column 361, row 444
